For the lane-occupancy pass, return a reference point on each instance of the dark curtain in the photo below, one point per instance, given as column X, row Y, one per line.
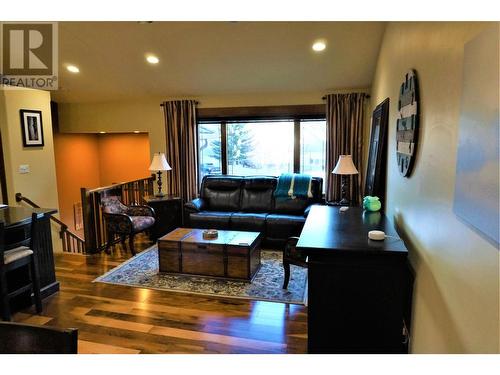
column 344, row 136
column 182, row 148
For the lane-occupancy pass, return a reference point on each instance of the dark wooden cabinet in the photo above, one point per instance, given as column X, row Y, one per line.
column 168, row 213
column 359, row 289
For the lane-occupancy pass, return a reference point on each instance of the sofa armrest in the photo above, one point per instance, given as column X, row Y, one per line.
column 196, row 205
column 308, row 209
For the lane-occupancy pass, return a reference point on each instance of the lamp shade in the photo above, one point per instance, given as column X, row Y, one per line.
column 159, row 163
column 345, row 165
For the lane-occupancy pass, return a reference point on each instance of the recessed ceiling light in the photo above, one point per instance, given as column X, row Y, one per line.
column 319, row 45
column 73, row 69
column 102, row 132
column 136, row 131
column 152, row 59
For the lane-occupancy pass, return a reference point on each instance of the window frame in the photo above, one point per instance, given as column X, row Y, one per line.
column 295, row 113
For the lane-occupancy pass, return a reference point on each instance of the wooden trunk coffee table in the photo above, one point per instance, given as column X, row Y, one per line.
column 232, row 255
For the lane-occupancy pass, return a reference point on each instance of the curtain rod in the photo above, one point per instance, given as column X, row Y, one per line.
column 195, row 102
column 367, row 96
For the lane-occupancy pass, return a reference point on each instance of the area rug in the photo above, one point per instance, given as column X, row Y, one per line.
column 142, row 271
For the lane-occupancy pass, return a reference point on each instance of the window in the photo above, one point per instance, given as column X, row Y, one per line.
column 209, row 143
column 260, row 146
column 313, row 148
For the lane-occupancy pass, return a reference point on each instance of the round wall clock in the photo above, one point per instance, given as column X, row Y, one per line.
column 407, row 124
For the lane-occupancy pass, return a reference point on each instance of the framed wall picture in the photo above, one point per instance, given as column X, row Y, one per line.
column 377, row 153
column 32, row 128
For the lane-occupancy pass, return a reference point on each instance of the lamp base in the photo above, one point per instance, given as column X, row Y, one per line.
column 344, row 188
column 159, row 194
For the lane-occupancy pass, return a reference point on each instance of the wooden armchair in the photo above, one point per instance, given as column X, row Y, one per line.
column 125, row 220
column 292, row 256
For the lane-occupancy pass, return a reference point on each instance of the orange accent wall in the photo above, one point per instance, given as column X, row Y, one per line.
column 77, row 165
column 123, row 157
column 91, row 160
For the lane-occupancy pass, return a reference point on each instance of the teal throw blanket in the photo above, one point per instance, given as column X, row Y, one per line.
column 291, row 186
column 283, row 186
column 301, row 183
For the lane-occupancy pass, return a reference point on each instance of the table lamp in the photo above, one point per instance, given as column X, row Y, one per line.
column 345, row 167
column 159, row 164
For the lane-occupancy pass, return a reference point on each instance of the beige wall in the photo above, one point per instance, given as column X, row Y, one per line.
column 40, row 183
column 146, row 114
column 456, row 298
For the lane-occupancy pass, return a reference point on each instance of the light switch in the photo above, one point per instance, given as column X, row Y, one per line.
column 24, row 168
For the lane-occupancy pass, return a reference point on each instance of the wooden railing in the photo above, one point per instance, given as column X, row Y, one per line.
column 71, row 242
column 131, row 192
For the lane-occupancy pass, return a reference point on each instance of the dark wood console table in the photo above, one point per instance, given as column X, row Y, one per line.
column 17, row 221
column 359, row 289
column 168, row 212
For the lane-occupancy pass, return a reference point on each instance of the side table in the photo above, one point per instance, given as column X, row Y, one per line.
column 168, row 211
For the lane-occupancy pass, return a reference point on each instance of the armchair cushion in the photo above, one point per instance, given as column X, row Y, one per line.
column 139, row 223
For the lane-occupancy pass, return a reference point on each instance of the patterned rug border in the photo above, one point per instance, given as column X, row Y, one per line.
column 98, row 279
column 247, row 298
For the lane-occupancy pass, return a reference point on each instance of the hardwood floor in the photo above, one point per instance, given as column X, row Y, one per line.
column 121, row 319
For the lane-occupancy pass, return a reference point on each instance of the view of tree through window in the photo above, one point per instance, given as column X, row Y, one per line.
column 262, row 147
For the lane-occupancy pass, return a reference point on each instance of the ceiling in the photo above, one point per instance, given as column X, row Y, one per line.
column 213, row 58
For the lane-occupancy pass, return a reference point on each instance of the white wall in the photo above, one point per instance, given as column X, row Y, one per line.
column 456, row 297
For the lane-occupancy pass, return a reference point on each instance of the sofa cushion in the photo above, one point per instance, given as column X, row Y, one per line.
column 253, row 222
column 289, row 206
column 210, row 219
column 283, row 226
column 221, row 193
column 257, row 194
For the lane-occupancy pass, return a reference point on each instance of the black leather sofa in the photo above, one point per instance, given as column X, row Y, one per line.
column 248, row 204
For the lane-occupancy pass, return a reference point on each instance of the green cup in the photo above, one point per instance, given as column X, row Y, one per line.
column 371, row 203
